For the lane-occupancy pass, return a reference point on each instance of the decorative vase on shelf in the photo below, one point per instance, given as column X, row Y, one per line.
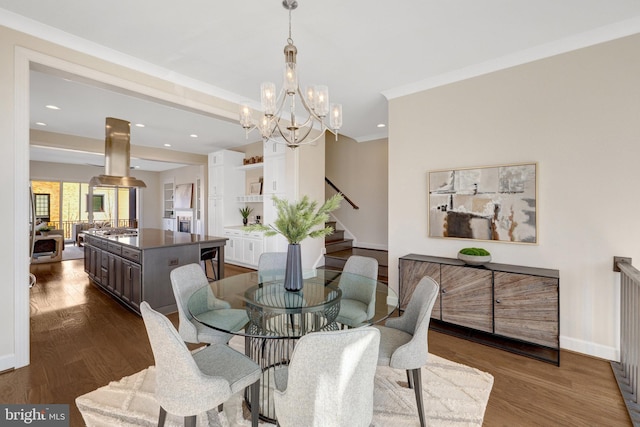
column 245, row 221
column 293, row 270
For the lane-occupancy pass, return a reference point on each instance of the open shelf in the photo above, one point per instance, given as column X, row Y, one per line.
column 250, row 166
column 250, row 198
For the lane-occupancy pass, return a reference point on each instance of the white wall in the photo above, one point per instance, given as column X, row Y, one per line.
column 577, row 115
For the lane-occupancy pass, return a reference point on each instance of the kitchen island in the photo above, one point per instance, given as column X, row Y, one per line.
column 134, row 265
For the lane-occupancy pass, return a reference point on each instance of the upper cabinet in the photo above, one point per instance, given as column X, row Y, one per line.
column 275, row 168
column 226, row 183
column 224, row 177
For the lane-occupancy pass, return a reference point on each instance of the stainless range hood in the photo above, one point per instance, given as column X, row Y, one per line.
column 117, row 150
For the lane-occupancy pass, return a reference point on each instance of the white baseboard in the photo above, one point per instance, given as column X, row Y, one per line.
column 7, row 362
column 589, row 348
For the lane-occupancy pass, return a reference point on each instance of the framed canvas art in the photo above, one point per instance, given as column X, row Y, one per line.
column 183, row 195
column 496, row 203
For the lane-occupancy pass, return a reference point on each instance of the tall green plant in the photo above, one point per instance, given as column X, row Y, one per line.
column 297, row 220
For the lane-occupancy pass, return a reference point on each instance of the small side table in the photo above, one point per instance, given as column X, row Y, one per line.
column 56, row 255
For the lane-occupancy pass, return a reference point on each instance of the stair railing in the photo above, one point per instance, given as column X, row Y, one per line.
column 627, row 370
column 332, row 185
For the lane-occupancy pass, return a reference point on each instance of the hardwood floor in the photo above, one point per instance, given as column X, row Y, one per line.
column 81, row 339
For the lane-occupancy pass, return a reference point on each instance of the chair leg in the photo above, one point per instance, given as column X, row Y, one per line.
column 162, row 417
column 409, row 379
column 417, row 388
column 255, row 403
column 190, row 421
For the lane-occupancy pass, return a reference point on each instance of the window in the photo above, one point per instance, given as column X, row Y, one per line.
column 98, row 202
column 43, row 206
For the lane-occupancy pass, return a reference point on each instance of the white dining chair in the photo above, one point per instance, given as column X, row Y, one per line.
column 403, row 340
column 329, row 380
column 358, row 285
column 271, row 266
column 185, row 281
column 188, row 384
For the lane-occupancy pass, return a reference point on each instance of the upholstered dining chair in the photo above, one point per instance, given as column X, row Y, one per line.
column 358, row 302
column 188, row 384
column 329, row 380
column 186, row 280
column 271, row 265
column 403, row 340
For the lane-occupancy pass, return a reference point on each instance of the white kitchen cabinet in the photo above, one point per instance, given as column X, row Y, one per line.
column 226, row 183
column 243, row 248
column 215, row 215
column 274, row 174
column 169, row 224
column 224, row 177
column 275, row 243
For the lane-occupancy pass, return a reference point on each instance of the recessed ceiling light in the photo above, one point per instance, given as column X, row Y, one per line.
column 41, row 124
column 167, row 145
column 381, row 125
column 193, row 135
column 52, row 107
column 140, row 125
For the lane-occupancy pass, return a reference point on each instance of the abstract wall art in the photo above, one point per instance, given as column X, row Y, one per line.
column 496, row 203
column 183, row 196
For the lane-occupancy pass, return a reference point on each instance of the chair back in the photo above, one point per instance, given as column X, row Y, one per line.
column 185, row 280
column 415, row 321
column 357, row 289
column 330, row 380
column 271, row 265
column 181, row 387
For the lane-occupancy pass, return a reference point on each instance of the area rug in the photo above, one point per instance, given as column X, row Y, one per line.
column 72, row 252
column 454, row 395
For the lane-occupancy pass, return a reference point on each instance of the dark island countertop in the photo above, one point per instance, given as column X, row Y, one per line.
column 134, row 265
column 148, row 238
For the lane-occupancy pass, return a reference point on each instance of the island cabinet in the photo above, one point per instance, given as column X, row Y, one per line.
column 511, row 307
column 110, row 266
column 137, row 268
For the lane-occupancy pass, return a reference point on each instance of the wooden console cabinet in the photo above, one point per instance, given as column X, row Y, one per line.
column 511, row 307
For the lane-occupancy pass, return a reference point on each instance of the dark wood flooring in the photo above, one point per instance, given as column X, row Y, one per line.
column 81, row 339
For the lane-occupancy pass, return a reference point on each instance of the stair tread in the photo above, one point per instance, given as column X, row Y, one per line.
column 381, row 256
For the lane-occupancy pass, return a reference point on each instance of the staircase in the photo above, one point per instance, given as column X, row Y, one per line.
column 339, row 249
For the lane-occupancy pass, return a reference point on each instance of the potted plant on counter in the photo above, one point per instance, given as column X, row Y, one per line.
column 45, row 230
column 245, row 212
column 474, row 256
column 296, row 221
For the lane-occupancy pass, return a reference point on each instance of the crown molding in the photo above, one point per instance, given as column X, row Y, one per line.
column 567, row 44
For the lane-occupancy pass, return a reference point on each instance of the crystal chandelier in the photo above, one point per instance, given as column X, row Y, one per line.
column 279, row 119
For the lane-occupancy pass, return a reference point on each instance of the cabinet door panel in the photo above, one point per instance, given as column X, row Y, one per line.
column 526, row 308
column 467, row 297
column 410, row 274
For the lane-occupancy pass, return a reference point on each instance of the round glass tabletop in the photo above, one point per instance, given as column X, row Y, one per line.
column 257, row 305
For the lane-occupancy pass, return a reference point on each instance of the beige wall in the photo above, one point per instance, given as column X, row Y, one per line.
column 359, row 170
column 577, row 115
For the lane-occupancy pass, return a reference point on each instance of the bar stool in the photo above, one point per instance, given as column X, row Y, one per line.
column 210, row 254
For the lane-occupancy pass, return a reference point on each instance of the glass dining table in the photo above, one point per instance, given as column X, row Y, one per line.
column 271, row 319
